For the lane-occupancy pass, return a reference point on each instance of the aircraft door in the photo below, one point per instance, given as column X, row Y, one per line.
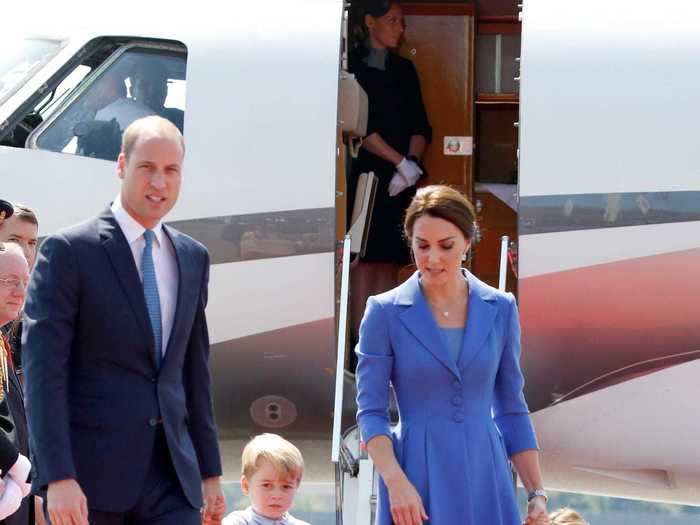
column 439, row 40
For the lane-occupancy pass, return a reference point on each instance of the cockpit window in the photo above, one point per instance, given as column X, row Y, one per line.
column 21, row 59
column 135, row 83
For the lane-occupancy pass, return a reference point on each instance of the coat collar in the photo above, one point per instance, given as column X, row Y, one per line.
column 419, row 320
column 184, row 263
column 130, row 227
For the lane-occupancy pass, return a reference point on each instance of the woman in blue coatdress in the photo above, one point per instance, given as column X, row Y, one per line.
column 450, row 347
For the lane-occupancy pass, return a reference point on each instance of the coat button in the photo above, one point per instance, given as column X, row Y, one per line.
column 153, row 422
column 458, row 417
column 457, row 401
column 457, row 385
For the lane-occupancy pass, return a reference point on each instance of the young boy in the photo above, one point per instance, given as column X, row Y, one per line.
column 271, row 471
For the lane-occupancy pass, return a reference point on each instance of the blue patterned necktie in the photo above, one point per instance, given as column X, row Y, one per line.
column 150, row 292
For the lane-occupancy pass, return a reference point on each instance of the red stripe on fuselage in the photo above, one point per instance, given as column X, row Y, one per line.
column 583, row 324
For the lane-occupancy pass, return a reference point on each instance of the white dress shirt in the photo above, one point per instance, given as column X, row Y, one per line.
column 125, row 110
column 164, row 260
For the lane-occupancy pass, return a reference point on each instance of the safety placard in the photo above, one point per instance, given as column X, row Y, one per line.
column 458, row 146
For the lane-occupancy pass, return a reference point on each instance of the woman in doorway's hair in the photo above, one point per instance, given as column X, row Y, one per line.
column 397, row 134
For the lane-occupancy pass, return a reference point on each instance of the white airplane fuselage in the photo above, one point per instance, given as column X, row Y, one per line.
column 609, row 195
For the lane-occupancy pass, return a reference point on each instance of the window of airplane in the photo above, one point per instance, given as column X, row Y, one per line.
column 137, row 80
column 68, row 84
column 21, row 59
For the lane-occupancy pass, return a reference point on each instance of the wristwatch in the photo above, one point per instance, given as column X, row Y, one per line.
column 536, row 493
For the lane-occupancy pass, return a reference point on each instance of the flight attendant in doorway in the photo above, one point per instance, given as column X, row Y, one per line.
column 397, row 134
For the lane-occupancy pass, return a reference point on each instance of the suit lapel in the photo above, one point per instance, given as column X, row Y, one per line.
column 119, row 252
column 418, row 319
column 182, row 255
column 480, row 317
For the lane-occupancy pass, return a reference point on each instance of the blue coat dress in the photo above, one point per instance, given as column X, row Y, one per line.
column 459, row 421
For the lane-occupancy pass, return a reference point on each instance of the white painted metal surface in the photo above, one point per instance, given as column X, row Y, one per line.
column 260, row 114
column 340, row 360
column 608, row 96
column 626, row 440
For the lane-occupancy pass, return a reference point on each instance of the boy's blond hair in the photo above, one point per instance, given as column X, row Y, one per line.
column 567, row 516
column 284, row 457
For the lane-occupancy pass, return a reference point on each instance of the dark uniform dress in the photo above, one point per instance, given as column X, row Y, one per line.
column 13, row 423
column 396, row 113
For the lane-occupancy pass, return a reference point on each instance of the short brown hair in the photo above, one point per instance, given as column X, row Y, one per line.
column 24, row 213
column 154, row 124
column 283, row 455
column 441, row 202
column 566, row 516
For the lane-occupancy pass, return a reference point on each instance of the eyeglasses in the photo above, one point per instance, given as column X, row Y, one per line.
column 14, row 282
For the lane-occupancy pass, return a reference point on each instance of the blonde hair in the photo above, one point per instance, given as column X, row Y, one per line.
column 155, row 125
column 284, row 456
column 567, row 516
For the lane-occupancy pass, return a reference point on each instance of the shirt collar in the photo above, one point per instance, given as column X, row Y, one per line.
column 258, row 519
column 132, row 229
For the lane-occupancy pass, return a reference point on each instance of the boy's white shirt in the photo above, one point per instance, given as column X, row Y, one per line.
column 250, row 517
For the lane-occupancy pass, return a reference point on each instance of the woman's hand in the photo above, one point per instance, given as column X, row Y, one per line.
column 537, row 512
column 405, row 502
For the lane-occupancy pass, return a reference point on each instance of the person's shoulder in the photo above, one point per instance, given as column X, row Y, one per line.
column 85, row 231
column 490, row 293
column 191, row 243
column 355, row 59
column 401, row 63
column 386, row 299
column 404, row 293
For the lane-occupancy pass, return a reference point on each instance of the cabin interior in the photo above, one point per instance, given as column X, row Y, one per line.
column 467, row 58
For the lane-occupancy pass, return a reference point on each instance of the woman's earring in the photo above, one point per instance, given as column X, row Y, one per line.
column 464, row 256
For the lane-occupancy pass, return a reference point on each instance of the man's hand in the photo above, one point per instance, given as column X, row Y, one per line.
column 214, row 502
column 39, row 511
column 66, row 503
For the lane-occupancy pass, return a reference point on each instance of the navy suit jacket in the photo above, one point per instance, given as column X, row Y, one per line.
column 94, row 395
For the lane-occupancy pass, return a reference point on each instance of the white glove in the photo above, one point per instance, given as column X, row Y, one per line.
column 410, row 171
column 407, row 175
column 11, row 498
column 397, row 184
column 19, row 472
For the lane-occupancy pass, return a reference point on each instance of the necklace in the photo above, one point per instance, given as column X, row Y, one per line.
column 445, row 312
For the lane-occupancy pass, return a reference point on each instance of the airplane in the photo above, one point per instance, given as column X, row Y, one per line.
column 604, row 213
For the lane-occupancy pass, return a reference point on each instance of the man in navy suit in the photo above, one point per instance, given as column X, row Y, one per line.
column 117, row 386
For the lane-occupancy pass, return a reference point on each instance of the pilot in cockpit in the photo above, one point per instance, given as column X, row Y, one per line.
column 124, row 109
column 149, row 86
